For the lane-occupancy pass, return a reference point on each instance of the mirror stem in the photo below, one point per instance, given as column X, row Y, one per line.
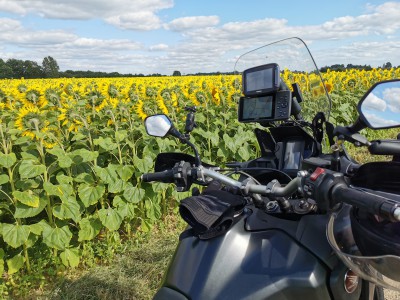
column 357, row 126
column 174, row 132
column 185, row 140
column 196, row 153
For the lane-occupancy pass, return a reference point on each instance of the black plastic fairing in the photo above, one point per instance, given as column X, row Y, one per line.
column 167, row 160
column 247, row 265
column 168, row 294
column 383, row 176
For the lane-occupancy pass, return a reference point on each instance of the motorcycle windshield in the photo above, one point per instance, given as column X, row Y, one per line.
column 382, row 270
column 297, row 66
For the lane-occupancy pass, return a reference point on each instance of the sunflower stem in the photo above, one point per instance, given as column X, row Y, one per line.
column 49, row 205
column 27, row 261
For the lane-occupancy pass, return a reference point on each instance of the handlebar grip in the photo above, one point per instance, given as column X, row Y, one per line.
column 383, row 204
column 166, row 176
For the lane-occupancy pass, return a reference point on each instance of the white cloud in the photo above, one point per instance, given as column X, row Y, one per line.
column 70, row 50
column 188, row 23
column 204, row 45
column 143, row 20
column 99, row 44
column 211, row 45
column 159, row 47
column 77, row 9
column 371, row 53
column 12, row 32
column 384, row 20
column 7, row 24
column 379, row 122
column 392, row 95
column 126, row 14
column 373, row 102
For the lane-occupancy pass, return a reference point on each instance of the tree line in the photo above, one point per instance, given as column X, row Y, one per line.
column 342, row 67
column 15, row 68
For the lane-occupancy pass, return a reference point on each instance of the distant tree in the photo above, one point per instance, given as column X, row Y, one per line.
column 5, row 70
column 17, row 67
column 176, row 73
column 359, row 67
column 338, row 67
column 388, row 65
column 114, row 74
column 32, row 69
column 341, row 67
column 50, row 67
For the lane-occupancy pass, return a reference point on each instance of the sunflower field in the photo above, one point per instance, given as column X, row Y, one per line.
column 72, row 152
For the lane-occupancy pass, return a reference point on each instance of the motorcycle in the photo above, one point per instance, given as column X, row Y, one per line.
column 297, row 223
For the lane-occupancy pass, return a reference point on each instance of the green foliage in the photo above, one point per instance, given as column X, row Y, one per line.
column 50, row 67
column 15, row 235
column 64, row 193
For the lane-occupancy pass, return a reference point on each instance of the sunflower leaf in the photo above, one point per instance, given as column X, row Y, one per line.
column 7, row 160
column 28, row 169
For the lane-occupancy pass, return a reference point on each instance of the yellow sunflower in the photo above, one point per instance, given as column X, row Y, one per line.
column 68, row 118
column 139, row 110
column 216, row 96
column 31, row 120
column 51, row 137
column 96, row 100
column 174, row 100
column 161, row 105
column 34, row 97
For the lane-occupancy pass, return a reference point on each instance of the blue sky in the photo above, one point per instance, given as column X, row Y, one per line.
column 160, row 36
column 381, row 107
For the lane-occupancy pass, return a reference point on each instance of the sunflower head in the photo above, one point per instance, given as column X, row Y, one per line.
column 53, row 96
column 113, row 91
column 51, row 136
column 329, row 87
column 33, row 97
column 139, row 109
column 69, row 119
column 96, row 100
column 161, row 105
column 31, row 121
column 22, row 88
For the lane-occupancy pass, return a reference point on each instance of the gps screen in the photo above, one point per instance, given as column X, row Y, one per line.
column 257, row 108
column 259, row 80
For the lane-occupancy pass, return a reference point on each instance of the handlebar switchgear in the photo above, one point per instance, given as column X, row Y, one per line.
column 180, row 175
column 318, row 186
column 329, row 188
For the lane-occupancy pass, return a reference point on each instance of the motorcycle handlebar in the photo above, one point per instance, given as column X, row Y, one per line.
column 385, row 205
column 201, row 173
column 166, row 176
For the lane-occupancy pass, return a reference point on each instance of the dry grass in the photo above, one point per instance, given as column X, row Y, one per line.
column 135, row 274
column 392, row 295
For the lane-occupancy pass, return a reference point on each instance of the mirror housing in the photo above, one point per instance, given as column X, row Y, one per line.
column 380, row 106
column 158, row 125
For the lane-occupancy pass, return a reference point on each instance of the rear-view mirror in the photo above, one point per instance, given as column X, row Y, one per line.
column 380, row 106
column 157, row 125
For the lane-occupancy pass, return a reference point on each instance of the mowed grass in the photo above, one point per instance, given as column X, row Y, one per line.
column 135, row 273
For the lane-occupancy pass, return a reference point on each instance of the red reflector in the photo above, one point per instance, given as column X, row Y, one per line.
column 318, row 171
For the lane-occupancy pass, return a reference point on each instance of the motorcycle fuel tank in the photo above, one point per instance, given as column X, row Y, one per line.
column 267, row 264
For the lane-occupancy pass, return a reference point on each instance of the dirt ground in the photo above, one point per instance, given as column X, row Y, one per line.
column 392, row 295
